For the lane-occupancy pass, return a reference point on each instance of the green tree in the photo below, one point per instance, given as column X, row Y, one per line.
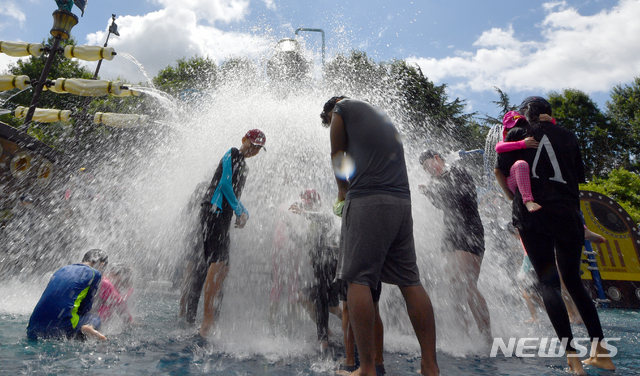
column 624, row 110
column 574, row 110
column 621, row 185
column 423, row 107
column 356, row 74
column 504, row 106
column 188, row 75
column 427, row 108
column 239, row 70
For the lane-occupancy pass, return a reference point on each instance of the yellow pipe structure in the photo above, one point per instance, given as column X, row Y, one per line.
column 88, row 88
column 120, row 120
column 89, row 53
column 8, row 82
column 53, row 89
column 44, row 115
column 19, row 49
column 128, row 93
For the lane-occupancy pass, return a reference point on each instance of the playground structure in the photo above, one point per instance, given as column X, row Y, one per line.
column 611, row 271
column 27, row 165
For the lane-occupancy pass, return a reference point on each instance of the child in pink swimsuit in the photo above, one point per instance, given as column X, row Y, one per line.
column 519, row 172
column 115, row 290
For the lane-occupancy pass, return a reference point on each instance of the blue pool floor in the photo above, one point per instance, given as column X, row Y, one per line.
column 161, row 347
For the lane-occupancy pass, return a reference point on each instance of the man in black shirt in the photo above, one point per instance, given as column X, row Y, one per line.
column 454, row 192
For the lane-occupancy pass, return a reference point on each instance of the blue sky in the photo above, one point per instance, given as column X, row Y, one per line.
column 524, row 48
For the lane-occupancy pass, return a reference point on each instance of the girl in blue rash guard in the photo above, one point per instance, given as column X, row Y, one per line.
column 63, row 309
column 221, row 202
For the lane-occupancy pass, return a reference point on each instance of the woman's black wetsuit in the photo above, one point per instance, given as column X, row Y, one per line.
column 555, row 233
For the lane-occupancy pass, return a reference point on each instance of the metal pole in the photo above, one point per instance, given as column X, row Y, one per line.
column 314, row 30
column 113, row 19
column 41, row 82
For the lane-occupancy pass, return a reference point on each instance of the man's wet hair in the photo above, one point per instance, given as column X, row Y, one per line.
column 533, row 107
column 95, row 256
column 428, row 154
column 328, row 107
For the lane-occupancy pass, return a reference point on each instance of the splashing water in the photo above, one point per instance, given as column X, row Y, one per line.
column 166, row 100
column 140, row 66
column 138, row 206
column 490, row 155
column 4, row 101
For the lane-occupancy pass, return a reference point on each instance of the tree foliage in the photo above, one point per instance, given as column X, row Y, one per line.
column 624, row 111
column 504, row 106
column 193, row 74
column 423, row 107
column 239, row 70
column 574, row 110
column 355, row 74
column 621, row 185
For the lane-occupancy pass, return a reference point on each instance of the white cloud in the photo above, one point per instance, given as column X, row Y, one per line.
column 12, row 10
column 590, row 53
column 159, row 38
column 5, row 61
column 270, row 4
column 210, row 10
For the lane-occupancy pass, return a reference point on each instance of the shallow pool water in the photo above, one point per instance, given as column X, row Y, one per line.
column 160, row 346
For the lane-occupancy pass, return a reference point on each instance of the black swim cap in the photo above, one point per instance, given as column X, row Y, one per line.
column 95, row 256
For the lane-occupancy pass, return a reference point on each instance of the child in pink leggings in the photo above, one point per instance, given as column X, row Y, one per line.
column 519, row 173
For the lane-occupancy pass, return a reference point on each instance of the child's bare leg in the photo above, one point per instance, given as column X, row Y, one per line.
column 336, row 311
column 212, row 287
column 572, row 310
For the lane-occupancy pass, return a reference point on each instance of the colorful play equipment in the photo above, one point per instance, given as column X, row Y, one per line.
column 611, row 271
